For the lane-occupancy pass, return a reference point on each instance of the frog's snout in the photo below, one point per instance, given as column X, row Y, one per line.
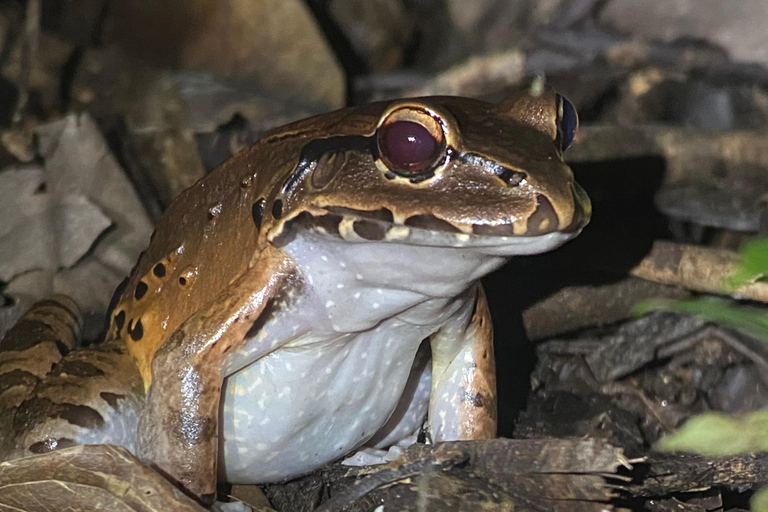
column 582, row 209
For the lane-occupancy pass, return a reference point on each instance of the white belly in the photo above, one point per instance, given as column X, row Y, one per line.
column 299, row 408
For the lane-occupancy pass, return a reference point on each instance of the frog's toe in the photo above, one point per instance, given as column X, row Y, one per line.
column 369, row 456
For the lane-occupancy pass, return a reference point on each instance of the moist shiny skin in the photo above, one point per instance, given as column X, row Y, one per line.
column 320, row 291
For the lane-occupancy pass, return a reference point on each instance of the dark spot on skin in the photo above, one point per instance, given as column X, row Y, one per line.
column 51, row 444
column 41, row 188
column 81, row 415
column 47, row 321
column 120, row 321
column 491, row 230
column 77, row 369
column 112, row 399
column 159, row 270
column 16, row 378
column 382, row 214
column 329, row 223
column 183, row 281
column 277, row 209
column 257, row 212
column 370, row 230
column 27, row 333
column 544, row 219
column 476, row 399
column 431, row 223
column 136, row 331
column 36, row 411
column 141, row 290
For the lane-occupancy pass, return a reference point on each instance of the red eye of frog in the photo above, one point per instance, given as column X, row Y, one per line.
column 410, row 142
column 407, row 145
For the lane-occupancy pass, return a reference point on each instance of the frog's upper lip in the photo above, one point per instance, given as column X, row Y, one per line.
column 429, row 229
column 354, row 224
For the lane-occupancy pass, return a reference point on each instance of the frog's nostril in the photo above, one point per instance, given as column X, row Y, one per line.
column 544, row 219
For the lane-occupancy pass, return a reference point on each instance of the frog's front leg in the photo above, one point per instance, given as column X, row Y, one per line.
column 178, row 429
column 463, row 398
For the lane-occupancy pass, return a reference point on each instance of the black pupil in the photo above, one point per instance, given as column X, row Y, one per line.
column 408, row 146
column 568, row 123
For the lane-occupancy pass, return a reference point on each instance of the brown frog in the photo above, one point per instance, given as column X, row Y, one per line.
column 277, row 317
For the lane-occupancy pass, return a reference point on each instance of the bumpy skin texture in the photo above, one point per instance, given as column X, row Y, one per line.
column 291, row 288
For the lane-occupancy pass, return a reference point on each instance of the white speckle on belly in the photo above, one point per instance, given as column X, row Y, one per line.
column 359, row 277
column 261, row 446
column 324, row 257
column 340, row 286
column 330, row 304
column 375, row 305
column 357, row 295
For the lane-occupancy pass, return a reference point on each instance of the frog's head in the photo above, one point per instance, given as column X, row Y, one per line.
column 438, row 171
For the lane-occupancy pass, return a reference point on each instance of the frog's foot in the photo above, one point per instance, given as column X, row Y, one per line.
column 371, row 456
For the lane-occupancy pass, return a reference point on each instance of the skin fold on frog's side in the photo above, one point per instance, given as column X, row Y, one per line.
column 276, row 319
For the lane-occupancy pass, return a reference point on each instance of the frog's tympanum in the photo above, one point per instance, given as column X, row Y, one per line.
column 276, row 318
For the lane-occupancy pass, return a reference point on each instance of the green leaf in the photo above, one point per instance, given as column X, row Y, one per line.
column 759, row 501
column 753, row 266
column 715, row 435
column 748, row 320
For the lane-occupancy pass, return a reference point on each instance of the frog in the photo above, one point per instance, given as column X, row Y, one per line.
column 319, row 292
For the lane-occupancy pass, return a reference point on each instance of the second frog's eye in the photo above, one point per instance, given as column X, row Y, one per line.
column 410, row 142
column 567, row 122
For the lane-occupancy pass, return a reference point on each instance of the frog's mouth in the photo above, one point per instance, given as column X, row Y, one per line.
column 381, row 225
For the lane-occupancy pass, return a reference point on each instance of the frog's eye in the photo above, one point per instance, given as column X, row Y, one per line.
column 567, row 122
column 410, row 142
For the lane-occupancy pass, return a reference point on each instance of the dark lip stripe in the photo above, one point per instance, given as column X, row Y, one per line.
column 314, row 150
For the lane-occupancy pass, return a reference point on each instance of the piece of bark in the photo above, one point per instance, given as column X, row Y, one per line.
column 696, row 268
column 83, row 478
column 498, row 474
column 664, row 474
column 577, row 307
